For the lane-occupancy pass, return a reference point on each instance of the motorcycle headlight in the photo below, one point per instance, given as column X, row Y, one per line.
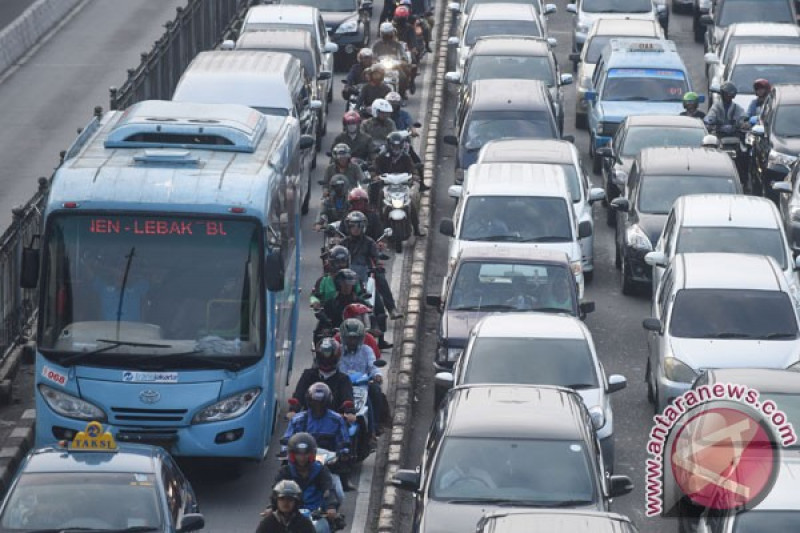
column 230, row 407
column 778, row 159
column 70, row 406
column 638, row 239
column 397, row 203
column 677, row 370
column 388, row 63
column 348, row 26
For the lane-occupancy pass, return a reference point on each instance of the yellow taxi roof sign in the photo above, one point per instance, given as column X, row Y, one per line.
column 94, row 439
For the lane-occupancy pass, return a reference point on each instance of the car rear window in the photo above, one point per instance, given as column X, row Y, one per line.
column 644, row 85
column 734, row 11
column 759, row 241
column 658, row 193
column 482, row 28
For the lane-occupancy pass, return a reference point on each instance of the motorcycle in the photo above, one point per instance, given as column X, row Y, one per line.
column 733, row 141
column 391, row 66
column 397, row 207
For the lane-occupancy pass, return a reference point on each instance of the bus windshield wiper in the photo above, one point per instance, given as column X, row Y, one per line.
column 730, row 335
column 778, row 335
column 76, row 357
column 195, row 356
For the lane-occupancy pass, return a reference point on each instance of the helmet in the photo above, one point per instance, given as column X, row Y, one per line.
column 355, row 310
column 377, row 69
column 351, row 117
column 405, row 3
column 402, row 12
column 691, row 98
column 364, row 53
column 386, row 29
column 356, row 219
column 339, row 183
column 328, row 353
column 339, row 257
column 341, row 150
column 395, row 141
column 357, row 195
column 345, row 276
column 302, row 442
column 287, row 488
column 380, row 105
column 394, row 98
column 319, row 392
column 352, row 329
column 728, row 89
column 761, row 83
column 710, row 141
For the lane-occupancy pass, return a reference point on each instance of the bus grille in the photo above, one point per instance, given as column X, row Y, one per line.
column 127, row 414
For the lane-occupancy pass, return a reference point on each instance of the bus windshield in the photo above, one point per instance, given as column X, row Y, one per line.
column 119, row 288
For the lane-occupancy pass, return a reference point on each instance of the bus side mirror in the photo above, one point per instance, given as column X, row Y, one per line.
column 29, row 275
column 274, row 272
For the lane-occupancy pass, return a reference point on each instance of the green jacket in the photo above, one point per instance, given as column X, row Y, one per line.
column 325, row 289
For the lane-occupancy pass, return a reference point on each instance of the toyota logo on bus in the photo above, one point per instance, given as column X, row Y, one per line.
column 149, row 396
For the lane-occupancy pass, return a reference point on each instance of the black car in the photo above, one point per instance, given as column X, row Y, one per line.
column 723, row 13
column 550, row 521
column 493, row 447
column 498, row 108
column 657, row 178
column 485, row 279
column 347, row 23
column 776, row 139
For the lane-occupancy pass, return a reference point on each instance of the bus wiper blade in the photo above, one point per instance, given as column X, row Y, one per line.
column 76, row 357
column 730, row 335
column 778, row 335
column 229, row 363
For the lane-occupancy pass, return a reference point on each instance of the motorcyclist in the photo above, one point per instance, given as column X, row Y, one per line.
column 334, row 204
column 358, row 358
column 726, row 115
column 358, row 72
column 313, row 478
column 375, row 87
column 403, row 121
column 388, row 45
column 691, row 102
column 359, row 142
column 359, row 201
column 333, row 309
column 394, row 160
column 325, row 370
column 283, row 515
column 328, row 427
column 406, row 32
column 343, row 164
column 380, row 125
column 361, row 312
column 761, row 88
column 338, row 258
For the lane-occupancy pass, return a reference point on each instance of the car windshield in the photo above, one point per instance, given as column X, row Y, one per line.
column 516, row 219
column 103, row 501
column 511, row 67
column 758, row 521
column 485, row 126
column 736, row 40
column 327, row 5
column 535, row 472
column 641, row 137
column 733, row 314
column 734, row 11
column 645, row 85
column 494, row 286
column 759, row 241
column 469, row 4
column 658, row 193
column 482, row 28
column 173, row 284
column 787, row 121
column 531, row 361
column 618, row 6
column 743, row 75
column 789, row 403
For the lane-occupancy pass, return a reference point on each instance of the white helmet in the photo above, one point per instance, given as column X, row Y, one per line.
column 710, row 141
column 378, row 105
column 387, row 28
column 364, row 53
column 394, row 98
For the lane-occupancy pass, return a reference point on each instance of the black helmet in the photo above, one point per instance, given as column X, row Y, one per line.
column 328, row 353
column 352, row 328
column 395, row 141
column 356, row 218
column 339, row 183
column 321, row 393
column 287, row 488
column 301, row 443
column 345, row 276
column 728, row 89
column 339, row 257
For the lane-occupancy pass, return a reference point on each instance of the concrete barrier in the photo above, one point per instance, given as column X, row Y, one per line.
column 19, row 36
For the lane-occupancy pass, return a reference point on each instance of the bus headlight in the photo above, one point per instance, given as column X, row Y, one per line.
column 230, row 407
column 71, row 406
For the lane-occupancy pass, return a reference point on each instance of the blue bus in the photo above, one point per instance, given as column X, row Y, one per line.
column 168, row 273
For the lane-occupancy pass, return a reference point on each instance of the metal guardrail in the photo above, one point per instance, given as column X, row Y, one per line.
column 199, row 26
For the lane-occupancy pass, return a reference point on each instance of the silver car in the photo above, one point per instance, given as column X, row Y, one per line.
column 716, row 310
column 587, row 12
column 539, row 349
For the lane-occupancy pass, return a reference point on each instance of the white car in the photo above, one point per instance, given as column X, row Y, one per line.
column 725, row 224
column 544, row 10
column 525, row 205
column 718, row 311
column 539, row 349
column 565, row 155
column 587, row 12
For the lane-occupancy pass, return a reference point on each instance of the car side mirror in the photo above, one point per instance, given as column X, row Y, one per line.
column 228, row 44
column 331, row 48
column 706, row 20
column 711, row 58
column 29, row 275
column 447, row 228
column 450, row 139
column 652, row 324
column 584, row 229
column 324, row 75
column 586, row 308
column 306, row 142
column 782, row 187
column 714, row 87
column 619, row 485
column 274, row 272
column 454, row 7
column 315, row 105
column 616, row 382
column 407, row 480
column 192, row 522
column 552, row 42
column 620, row 204
column 596, row 194
column 444, row 379
column 757, row 130
column 549, row 9
column 590, row 96
column 452, row 77
column 455, row 191
column 453, row 41
column 656, row 259
column 575, row 57
column 566, row 79
column 572, row 8
column 433, row 300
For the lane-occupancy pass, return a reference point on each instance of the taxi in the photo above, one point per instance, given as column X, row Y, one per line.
column 122, row 487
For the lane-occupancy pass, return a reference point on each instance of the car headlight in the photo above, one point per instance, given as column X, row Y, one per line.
column 70, row 406
column 677, row 370
column 620, row 177
column 348, row 26
column 230, row 407
column 637, row 239
column 778, row 159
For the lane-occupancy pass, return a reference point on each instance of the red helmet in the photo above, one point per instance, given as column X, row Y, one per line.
column 402, row 12
column 358, row 195
column 761, row 83
column 355, row 310
column 351, row 117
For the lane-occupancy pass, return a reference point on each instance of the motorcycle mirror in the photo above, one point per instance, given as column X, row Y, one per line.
column 417, row 125
column 380, row 363
column 387, row 232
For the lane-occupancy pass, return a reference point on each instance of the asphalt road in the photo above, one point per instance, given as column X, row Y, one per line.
column 11, row 9
column 615, row 325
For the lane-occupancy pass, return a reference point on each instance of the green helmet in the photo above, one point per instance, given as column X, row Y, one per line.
column 691, row 98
